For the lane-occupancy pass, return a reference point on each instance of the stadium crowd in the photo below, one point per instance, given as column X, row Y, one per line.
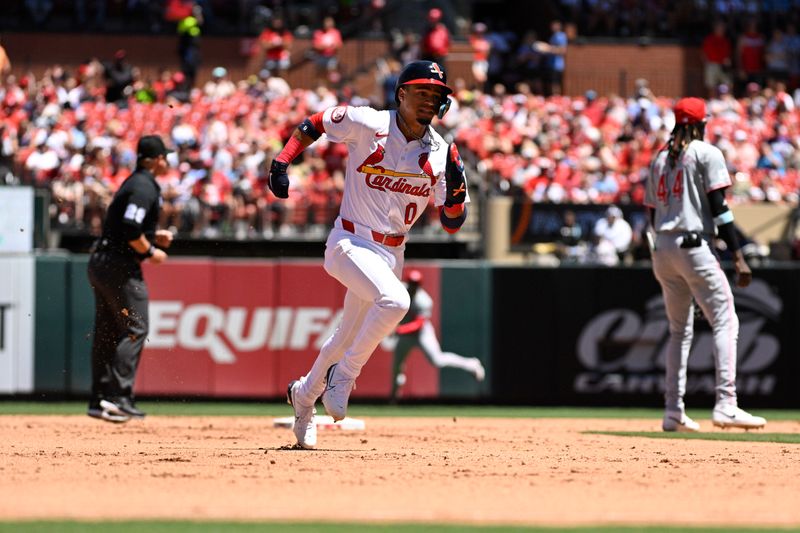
column 681, row 19
column 59, row 132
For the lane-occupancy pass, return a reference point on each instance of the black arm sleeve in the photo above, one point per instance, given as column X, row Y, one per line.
column 716, row 200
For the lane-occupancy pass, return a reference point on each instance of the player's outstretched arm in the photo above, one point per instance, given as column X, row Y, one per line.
column 453, row 214
column 304, row 135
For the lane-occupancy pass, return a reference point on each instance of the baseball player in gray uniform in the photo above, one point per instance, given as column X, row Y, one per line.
column 396, row 162
column 686, row 196
column 415, row 330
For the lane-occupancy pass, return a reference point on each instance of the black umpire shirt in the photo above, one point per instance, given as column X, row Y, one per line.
column 133, row 211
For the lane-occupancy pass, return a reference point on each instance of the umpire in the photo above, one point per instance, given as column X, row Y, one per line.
column 115, row 274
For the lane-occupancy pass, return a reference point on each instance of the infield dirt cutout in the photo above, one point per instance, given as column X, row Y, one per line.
column 444, row 470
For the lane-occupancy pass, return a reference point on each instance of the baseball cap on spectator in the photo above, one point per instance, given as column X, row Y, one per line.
column 435, row 15
column 614, row 211
column 151, row 146
column 219, row 72
column 690, row 110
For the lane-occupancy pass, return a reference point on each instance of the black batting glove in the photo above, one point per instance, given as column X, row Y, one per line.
column 278, row 179
column 455, row 178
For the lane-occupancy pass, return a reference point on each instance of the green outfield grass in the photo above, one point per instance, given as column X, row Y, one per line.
column 205, row 408
column 239, row 527
column 733, row 435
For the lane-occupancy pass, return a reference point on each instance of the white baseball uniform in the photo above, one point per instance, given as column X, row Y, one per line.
column 388, row 184
column 678, row 196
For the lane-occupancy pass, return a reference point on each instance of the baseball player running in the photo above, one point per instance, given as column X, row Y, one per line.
column 415, row 330
column 686, row 196
column 396, row 162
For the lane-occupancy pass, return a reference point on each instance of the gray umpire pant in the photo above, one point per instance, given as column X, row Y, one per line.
column 121, row 323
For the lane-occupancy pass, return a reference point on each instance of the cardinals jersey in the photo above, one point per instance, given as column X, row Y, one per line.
column 389, row 180
column 679, row 194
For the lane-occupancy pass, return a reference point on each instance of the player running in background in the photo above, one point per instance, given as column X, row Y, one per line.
column 396, row 162
column 686, row 196
column 416, row 331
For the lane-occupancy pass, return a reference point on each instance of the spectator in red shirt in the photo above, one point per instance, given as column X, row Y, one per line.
column 750, row 55
column 327, row 42
column 436, row 39
column 480, row 53
column 716, row 58
column 276, row 43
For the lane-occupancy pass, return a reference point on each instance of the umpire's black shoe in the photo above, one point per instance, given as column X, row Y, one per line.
column 123, row 405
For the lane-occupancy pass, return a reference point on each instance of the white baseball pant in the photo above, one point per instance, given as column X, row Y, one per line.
column 375, row 302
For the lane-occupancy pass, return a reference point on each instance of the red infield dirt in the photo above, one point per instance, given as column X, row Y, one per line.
column 468, row 470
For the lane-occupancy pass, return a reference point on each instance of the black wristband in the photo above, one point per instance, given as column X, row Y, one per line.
column 150, row 251
column 453, row 223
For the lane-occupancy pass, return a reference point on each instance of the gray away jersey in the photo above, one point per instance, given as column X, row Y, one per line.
column 679, row 194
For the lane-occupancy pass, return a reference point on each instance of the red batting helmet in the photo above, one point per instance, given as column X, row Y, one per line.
column 414, row 276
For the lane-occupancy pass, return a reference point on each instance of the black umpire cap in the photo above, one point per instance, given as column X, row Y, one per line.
column 151, row 146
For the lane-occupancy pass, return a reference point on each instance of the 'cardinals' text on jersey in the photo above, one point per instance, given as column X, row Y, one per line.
column 389, row 180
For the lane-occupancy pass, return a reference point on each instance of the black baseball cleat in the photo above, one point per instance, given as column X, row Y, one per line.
column 96, row 410
column 122, row 406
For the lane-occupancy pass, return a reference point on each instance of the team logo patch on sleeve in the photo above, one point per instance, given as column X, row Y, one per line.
column 338, row 113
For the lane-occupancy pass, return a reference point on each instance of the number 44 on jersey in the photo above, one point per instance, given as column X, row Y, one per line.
column 677, row 187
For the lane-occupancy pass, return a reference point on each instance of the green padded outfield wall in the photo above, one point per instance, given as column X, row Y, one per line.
column 64, row 319
column 466, row 325
column 81, row 304
column 52, row 328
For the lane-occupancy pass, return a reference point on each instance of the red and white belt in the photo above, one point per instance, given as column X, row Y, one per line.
column 363, row 231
